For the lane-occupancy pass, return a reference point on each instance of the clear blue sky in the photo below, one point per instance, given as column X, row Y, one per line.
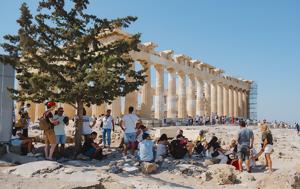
column 257, row 40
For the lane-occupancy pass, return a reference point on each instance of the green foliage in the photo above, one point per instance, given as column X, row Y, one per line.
column 57, row 55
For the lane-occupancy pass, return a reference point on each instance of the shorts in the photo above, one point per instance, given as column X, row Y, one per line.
column 16, row 142
column 243, row 152
column 129, row 137
column 268, row 149
column 50, row 136
column 60, row 139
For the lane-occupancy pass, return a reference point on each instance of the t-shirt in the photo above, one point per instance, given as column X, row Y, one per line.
column 60, row 128
column 161, row 150
column 146, row 150
column 200, row 139
column 130, row 122
column 244, row 136
column 267, row 135
column 86, row 129
column 88, row 144
column 107, row 122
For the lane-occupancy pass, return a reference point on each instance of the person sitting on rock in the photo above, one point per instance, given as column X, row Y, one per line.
column 162, row 147
column 146, row 149
column 215, row 151
column 18, row 139
column 232, row 154
column 200, row 142
column 180, row 146
column 91, row 148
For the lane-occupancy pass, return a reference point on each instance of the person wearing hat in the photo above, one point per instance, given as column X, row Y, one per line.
column 59, row 130
column 49, row 134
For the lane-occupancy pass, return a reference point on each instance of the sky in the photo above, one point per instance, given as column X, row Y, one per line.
column 257, row 40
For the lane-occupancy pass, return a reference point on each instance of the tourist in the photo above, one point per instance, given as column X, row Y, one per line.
column 200, row 143
column 180, row 146
column 146, row 149
column 298, row 128
column 215, row 151
column 50, row 138
column 141, row 129
column 267, row 146
column 128, row 125
column 18, row 139
column 108, row 125
column 245, row 139
column 24, row 121
column 60, row 130
column 86, row 124
column 162, row 146
column 91, row 148
column 232, row 154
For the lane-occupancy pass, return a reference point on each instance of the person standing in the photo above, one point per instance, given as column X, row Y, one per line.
column 49, row 134
column 245, row 139
column 298, row 128
column 86, row 126
column 59, row 130
column 107, row 124
column 128, row 125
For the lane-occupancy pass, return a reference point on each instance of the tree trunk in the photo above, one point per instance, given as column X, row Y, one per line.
column 78, row 127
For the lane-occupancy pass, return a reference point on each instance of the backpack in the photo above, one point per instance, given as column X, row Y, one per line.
column 178, row 151
column 44, row 125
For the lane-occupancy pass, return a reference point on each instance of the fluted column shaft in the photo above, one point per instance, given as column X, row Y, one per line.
column 199, row 97
column 240, row 104
column 244, row 102
column 231, row 101
column 131, row 98
column 171, row 98
column 235, row 102
column 115, row 107
column 181, row 96
column 220, row 99
column 214, row 99
column 146, row 101
column 207, row 102
column 225, row 101
column 159, row 92
column 191, row 101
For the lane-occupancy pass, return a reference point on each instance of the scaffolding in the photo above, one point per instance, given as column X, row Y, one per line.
column 253, row 101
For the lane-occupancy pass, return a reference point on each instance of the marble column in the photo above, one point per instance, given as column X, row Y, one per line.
column 240, row 104
column 199, row 97
column 131, row 99
column 171, row 98
column 97, row 110
column 220, row 99
column 236, row 103
column 191, row 101
column 225, row 101
column 181, row 96
column 207, row 100
column 147, row 99
column 115, row 107
column 39, row 110
column 214, row 99
column 231, row 101
column 244, row 104
column 159, row 92
column 88, row 110
column 69, row 110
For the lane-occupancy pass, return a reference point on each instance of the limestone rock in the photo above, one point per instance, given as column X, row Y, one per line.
column 34, row 168
column 149, row 168
column 223, row 174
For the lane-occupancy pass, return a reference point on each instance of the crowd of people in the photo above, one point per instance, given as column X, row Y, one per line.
column 137, row 141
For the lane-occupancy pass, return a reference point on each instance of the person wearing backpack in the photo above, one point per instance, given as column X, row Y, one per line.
column 49, row 134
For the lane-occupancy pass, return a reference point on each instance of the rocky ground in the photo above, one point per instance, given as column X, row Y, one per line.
column 116, row 171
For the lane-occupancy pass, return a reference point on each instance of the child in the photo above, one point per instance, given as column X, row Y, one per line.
column 91, row 149
column 200, row 142
column 162, row 146
column 146, row 148
column 215, row 151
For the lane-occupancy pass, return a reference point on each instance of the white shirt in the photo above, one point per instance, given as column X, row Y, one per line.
column 161, row 150
column 107, row 122
column 130, row 122
column 86, row 129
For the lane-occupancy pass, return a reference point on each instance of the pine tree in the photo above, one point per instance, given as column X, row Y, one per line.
column 58, row 56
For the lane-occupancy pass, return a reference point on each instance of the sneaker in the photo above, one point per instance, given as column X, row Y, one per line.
column 38, row 154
